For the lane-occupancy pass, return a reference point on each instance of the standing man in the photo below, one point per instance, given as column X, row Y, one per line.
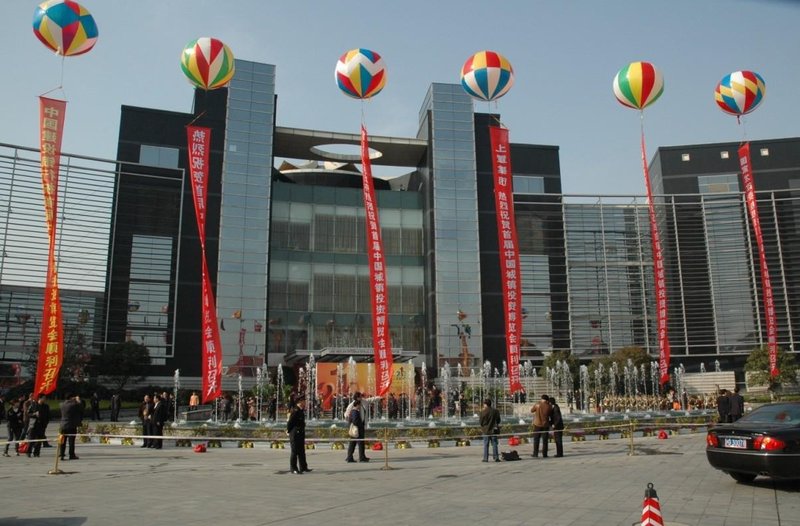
column 194, row 401
column 95, row 403
column 296, row 429
column 71, row 418
column 490, row 427
column 723, row 406
column 159, row 418
column 392, row 407
column 38, row 418
column 736, row 403
column 14, row 419
column 558, row 427
column 116, row 405
column 542, row 412
column 146, row 414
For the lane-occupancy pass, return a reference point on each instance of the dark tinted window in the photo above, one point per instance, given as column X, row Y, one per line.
column 788, row 414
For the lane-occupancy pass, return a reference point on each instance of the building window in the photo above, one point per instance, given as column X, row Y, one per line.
column 158, row 156
column 148, row 293
column 724, row 154
column 685, row 157
column 764, row 152
column 718, row 184
column 527, row 184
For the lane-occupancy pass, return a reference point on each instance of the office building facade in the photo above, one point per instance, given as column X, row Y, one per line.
column 285, row 242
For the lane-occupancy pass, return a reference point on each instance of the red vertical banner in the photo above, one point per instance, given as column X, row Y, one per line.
column 510, row 276
column 766, row 285
column 659, row 277
column 381, row 340
column 51, row 343
column 199, row 140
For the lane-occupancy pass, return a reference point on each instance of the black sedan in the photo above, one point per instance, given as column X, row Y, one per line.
column 764, row 442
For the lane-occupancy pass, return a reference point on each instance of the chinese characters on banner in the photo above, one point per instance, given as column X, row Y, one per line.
column 199, row 151
column 51, row 343
column 766, row 285
column 509, row 250
column 381, row 340
column 659, row 276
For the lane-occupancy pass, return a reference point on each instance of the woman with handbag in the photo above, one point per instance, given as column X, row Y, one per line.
column 357, row 431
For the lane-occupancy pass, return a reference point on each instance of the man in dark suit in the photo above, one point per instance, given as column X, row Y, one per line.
column 71, row 418
column 723, row 406
column 736, row 403
column 296, row 429
column 558, row 427
column 159, row 418
column 116, row 405
column 39, row 417
column 146, row 414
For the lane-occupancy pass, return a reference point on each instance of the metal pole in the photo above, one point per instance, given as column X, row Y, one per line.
column 630, row 438
column 55, row 470
column 386, row 466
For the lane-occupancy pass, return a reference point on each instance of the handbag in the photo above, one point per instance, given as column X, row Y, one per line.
column 353, row 431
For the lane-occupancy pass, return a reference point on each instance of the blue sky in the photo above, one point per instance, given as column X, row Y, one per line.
column 565, row 54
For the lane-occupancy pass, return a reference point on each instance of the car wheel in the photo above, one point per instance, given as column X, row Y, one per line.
column 742, row 477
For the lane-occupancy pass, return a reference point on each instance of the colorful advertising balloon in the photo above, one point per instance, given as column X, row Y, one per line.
column 638, row 85
column 207, row 63
column 360, row 73
column 65, row 27
column 740, row 92
column 487, row 75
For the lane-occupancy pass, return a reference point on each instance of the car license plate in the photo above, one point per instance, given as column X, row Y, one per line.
column 737, row 443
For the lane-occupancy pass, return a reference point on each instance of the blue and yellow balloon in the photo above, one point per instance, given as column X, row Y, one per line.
column 487, row 75
column 65, row 26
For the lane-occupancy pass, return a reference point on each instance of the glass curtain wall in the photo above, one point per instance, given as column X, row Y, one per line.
column 448, row 113
column 610, row 277
column 244, row 216
column 319, row 286
column 86, row 188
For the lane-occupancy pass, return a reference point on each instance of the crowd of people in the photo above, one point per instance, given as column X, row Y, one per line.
column 669, row 401
column 154, row 412
column 27, row 418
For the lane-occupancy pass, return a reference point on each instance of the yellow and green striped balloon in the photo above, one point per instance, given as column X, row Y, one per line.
column 638, row 85
column 207, row 63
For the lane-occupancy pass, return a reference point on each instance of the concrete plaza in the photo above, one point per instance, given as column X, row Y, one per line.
column 596, row 483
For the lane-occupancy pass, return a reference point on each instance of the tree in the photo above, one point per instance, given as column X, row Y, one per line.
column 564, row 357
column 561, row 356
column 120, row 363
column 758, row 366
column 76, row 353
column 634, row 353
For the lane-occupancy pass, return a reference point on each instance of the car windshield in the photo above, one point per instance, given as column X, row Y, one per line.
column 786, row 414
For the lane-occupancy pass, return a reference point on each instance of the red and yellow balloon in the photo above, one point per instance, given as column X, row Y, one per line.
column 740, row 92
column 360, row 73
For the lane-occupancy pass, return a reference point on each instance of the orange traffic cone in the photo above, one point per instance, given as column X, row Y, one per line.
column 651, row 509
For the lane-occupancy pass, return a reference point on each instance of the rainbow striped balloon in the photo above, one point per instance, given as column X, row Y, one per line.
column 487, row 75
column 208, row 63
column 65, row 27
column 638, row 85
column 740, row 92
column 360, row 73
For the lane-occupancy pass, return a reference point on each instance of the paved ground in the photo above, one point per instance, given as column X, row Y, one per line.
column 596, row 483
